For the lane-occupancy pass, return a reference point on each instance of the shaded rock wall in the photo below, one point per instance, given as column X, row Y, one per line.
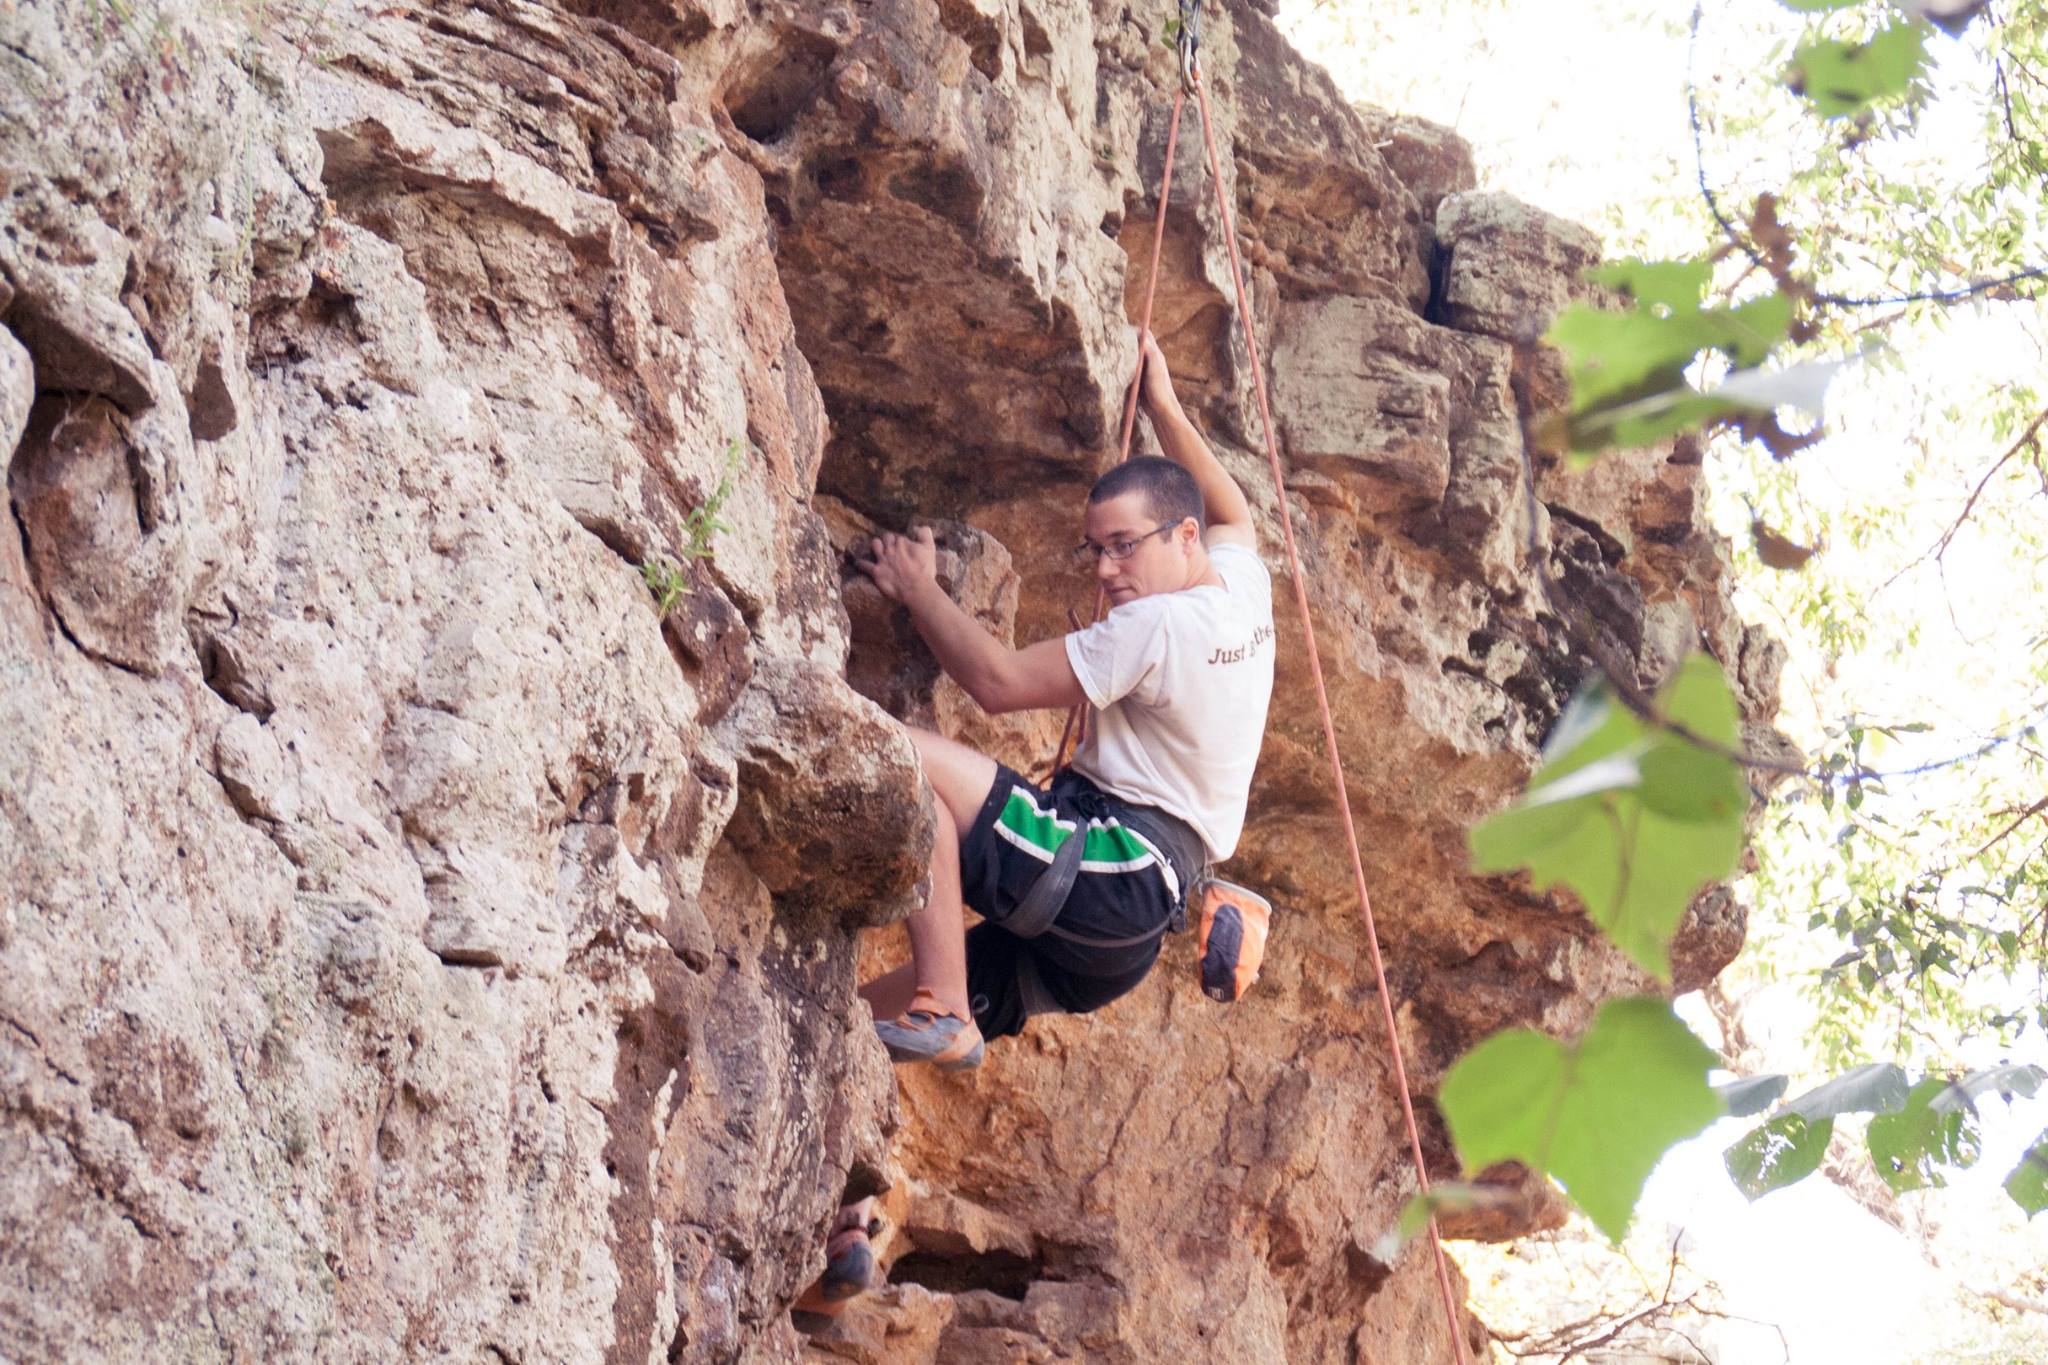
column 412, row 944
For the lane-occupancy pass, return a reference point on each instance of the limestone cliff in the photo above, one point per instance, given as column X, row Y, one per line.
column 414, row 945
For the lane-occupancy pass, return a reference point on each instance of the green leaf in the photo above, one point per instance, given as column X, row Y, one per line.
column 1594, row 726
column 1627, row 367
column 1879, row 1088
column 1415, row 1214
column 2028, row 1183
column 1676, row 285
column 1682, row 779
column 1818, row 6
column 1842, row 78
column 2008, row 1081
column 1595, row 1114
column 1644, row 421
column 1748, row 1095
column 1775, row 1154
column 1748, row 332
column 1911, row 1148
column 1447, row 1196
column 1633, row 819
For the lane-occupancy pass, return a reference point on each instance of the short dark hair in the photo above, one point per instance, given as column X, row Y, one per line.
column 1169, row 490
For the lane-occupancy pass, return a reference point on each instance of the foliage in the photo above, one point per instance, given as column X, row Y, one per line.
column 1775, row 1154
column 669, row 580
column 1936, row 915
column 1912, row 1147
column 1875, row 1088
column 1916, row 1135
column 1905, row 893
column 1630, row 815
column 1596, row 1114
column 1627, row 366
column 2028, row 1183
column 1750, row 1094
column 1871, row 192
column 1843, row 77
column 1602, row 817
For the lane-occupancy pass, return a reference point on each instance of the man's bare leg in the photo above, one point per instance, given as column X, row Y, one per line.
column 936, row 976
column 938, row 932
column 961, row 776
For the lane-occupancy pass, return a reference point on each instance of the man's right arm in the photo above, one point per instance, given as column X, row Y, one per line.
column 1224, row 508
column 1000, row 679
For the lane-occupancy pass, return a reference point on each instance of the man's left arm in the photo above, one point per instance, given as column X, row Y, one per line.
column 1000, row 679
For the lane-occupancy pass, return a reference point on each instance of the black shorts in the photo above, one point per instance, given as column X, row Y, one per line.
column 1123, row 892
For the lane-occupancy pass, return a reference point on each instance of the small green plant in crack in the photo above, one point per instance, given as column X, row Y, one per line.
column 97, row 13
column 142, row 30
column 669, row 579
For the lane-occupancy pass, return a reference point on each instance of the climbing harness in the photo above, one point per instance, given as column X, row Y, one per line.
column 1175, row 840
column 1188, row 45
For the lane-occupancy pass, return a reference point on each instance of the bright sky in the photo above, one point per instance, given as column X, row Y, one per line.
column 1580, row 109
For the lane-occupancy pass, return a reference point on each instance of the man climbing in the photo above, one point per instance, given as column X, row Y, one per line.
column 1178, row 676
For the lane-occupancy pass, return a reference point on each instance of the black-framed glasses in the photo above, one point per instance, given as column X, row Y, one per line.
column 1087, row 552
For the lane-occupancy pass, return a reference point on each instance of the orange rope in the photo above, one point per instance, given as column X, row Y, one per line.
column 1315, row 664
column 1072, row 730
column 1152, row 276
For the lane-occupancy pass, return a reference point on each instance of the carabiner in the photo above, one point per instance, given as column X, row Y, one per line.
column 1189, row 41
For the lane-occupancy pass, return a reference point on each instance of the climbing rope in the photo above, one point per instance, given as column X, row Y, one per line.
column 1188, row 50
column 1188, row 43
column 1076, row 715
column 1315, row 665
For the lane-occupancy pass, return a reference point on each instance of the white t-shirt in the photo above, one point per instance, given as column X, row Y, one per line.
column 1180, row 682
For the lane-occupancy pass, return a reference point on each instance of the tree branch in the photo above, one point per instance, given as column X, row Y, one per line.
column 2010, row 1300
column 1940, row 547
column 2029, row 813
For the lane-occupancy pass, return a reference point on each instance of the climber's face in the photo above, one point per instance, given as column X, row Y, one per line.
column 1156, row 557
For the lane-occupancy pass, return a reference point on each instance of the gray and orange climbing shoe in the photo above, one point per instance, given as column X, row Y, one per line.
column 849, row 1268
column 924, row 1035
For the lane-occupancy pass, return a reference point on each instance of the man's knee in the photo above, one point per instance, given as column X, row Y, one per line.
column 961, row 776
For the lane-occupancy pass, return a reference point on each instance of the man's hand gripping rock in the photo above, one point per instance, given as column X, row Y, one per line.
column 903, row 567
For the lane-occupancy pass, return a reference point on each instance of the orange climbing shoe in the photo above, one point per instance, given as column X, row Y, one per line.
column 849, row 1267
column 926, row 1035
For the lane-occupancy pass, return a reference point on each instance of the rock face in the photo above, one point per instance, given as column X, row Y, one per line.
column 413, row 943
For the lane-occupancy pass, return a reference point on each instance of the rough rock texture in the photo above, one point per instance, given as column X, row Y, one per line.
column 413, row 945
